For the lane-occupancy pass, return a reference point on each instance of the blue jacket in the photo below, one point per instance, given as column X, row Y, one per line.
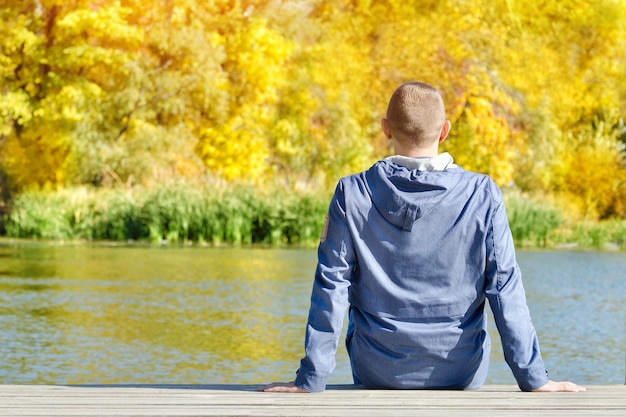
column 413, row 255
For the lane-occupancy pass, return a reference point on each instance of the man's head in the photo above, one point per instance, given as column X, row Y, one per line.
column 416, row 117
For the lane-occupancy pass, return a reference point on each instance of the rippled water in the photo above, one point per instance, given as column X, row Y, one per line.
column 74, row 314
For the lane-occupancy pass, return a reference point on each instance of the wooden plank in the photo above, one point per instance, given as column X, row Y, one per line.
column 338, row 400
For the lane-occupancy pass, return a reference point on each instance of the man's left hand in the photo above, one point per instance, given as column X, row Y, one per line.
column 282, row 387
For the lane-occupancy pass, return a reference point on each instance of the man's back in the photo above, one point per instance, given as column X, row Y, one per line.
column 417, row 317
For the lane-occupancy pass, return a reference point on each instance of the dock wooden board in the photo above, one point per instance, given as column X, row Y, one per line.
column 338, row 400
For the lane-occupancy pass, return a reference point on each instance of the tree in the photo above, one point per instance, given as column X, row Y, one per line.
column 291, row 93
column 56, row 62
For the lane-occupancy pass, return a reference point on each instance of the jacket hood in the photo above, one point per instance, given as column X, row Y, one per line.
column 403, row 196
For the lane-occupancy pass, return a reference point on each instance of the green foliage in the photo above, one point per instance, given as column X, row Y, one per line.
column 531, row 222
column 185, row 213
column 541, row 225
column 173, row 213
column 39, row 215
column 112, row 215
column 610, row 234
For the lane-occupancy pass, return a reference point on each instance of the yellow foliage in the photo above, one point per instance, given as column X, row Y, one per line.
column 106, row 22
column 234, row 152
column 587, row 172
column 293, row 92
column 37, row 157
column 14, row 108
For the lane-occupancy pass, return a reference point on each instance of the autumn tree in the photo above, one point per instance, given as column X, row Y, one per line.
column 566, row 64
column 291, row 93
column 104, row 91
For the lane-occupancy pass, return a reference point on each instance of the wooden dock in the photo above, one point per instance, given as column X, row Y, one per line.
column 338, row 400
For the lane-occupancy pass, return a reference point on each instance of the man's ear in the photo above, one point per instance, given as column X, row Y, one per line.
column 445, row 129
column 384, row 125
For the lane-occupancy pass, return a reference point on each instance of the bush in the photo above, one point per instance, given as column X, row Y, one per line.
column 182, row 213
column 599, row 235
column 531, row 223
column 39, row 215
column 174, row 213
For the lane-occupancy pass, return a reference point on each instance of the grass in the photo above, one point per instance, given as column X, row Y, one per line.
column 609, row 234
column 531, row 223
column 182, row 213
column 174, row 213
column 538, row 225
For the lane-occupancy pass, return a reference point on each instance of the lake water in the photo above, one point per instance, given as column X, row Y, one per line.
column 83, row 314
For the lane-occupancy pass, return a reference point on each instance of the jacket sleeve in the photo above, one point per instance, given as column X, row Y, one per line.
column 507, row 299
column 329, row 298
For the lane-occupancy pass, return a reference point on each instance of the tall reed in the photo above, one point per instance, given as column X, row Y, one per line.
column 186, row 213
column 169, row 213
column 37, row 216
column 608, row 234
column 531, row 222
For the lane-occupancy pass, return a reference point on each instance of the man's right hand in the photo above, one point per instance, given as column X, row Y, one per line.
column 560, row 386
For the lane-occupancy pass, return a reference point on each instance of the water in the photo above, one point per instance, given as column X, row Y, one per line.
column 100, row 314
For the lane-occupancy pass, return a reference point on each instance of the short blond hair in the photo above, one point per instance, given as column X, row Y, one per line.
column 416, row 113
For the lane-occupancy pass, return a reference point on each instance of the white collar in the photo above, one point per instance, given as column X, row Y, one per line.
column 440, row 162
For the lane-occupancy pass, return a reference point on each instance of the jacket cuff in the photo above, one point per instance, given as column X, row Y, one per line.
column 533, row 381
column 310, row 382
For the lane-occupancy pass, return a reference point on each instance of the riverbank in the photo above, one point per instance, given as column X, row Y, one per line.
column 185, row 214
column 338, row 400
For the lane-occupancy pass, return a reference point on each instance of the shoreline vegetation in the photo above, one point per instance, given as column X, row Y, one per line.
column 179, row 213
column 188, row 122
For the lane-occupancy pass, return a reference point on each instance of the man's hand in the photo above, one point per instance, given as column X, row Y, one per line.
column 562, row 386
column 281, row 387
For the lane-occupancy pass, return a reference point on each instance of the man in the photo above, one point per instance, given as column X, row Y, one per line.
column 413, row 247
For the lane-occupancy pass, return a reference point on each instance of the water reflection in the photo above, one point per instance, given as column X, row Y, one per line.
column 98, row 314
